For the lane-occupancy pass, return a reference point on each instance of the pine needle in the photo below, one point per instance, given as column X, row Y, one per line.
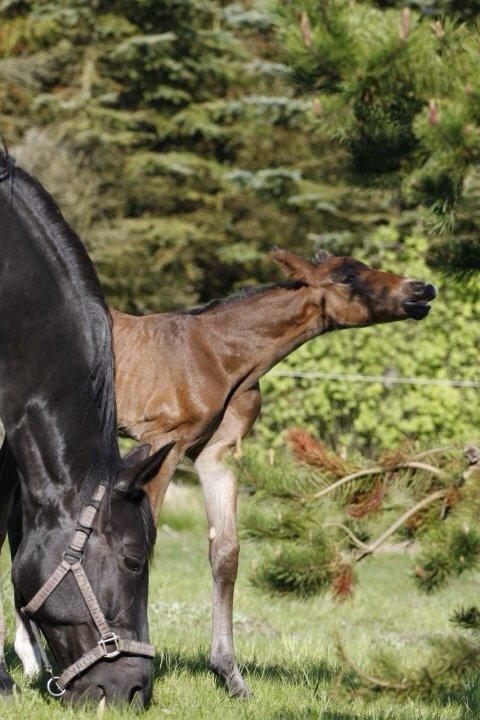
column 311, row 451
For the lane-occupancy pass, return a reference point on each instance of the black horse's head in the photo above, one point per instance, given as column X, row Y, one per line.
column 115, row 561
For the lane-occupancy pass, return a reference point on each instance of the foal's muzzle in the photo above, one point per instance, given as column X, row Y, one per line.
column 420, row 294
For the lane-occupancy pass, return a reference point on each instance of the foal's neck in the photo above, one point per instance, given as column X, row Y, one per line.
column 254, row 333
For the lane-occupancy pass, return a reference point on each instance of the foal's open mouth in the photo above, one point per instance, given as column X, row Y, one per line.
column 416, row 310
column 419, row 308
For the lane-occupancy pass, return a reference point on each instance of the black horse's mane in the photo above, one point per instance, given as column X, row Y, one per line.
column 245, row 293
column 82, row 275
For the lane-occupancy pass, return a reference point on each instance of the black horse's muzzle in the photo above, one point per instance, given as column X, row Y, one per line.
column 122, row 682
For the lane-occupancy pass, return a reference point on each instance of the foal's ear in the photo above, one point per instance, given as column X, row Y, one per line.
column 293, row 266
column 140, row 467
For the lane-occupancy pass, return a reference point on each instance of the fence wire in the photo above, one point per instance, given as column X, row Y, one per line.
column 385, row 379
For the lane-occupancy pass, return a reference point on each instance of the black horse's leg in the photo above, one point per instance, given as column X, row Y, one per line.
column 8, row 482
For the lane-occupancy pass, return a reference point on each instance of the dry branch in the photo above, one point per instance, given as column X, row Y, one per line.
column 433, row 451
column 377, row 470
column 374, row 682
column 369, row 548
column 356, row 541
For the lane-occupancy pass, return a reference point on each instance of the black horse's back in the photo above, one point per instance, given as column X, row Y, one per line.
column 55, row 324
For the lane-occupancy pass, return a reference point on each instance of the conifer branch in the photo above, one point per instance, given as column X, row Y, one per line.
column 437, row 495
column 378, row 470
column 371, row 680
column 433, row 451
column 356, row 541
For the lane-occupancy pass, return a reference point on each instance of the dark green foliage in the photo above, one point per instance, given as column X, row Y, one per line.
column 454, row 551
column 401, row 94
column 175, row 144
column 304, row 524
column 179, row 117
column 461, row 256
column 437, row 8
column 296, row 568
column 450, row 671
column 468, row 618
column 450, row 546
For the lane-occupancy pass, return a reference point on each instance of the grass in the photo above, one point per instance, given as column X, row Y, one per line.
column 285, row 646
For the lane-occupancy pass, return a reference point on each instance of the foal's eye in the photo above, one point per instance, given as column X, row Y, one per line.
column 133, row 564
column 348, row 279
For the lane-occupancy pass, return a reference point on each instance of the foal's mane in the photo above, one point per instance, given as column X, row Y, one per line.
column 74, row 260
column 244, row 294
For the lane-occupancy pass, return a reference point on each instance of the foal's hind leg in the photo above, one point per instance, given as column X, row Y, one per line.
column 8, row 482
column 220, row 490
column 6, row 682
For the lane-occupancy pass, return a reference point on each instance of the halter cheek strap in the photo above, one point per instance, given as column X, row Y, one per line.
column 110, row 645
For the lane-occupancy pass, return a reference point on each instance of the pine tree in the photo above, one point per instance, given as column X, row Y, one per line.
column 400, row 92
column 317, row 517
column 171, row 138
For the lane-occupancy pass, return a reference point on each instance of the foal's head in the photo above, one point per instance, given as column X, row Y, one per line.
column 349, row 293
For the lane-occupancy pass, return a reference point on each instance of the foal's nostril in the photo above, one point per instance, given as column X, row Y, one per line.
column 417, row 286
column 423, row 289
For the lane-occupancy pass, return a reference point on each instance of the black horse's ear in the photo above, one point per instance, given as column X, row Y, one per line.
column 322, row 256
column 293, row 266
column 140, row 468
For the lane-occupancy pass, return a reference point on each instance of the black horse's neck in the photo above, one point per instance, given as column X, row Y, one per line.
column 56, row 363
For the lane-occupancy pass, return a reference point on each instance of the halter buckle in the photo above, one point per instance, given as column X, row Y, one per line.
column 54, row 693
column 112, row 638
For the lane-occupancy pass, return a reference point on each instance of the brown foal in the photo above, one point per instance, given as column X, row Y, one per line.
column 191, row 378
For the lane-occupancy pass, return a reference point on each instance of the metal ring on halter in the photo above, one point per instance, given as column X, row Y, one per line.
column 59, row 691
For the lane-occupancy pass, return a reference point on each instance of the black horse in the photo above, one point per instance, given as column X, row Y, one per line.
column 57, row 403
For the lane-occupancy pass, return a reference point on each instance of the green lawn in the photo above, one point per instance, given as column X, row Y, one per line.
column 286, row 646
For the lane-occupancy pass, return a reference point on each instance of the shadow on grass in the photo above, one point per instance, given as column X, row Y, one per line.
column 307, row 673
column 38, row 683
column 314, row 675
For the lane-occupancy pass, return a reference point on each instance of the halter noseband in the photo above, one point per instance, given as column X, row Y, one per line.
column 109, row 645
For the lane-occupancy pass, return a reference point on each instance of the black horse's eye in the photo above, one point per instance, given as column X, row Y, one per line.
column 347, row 280
column 133, row 564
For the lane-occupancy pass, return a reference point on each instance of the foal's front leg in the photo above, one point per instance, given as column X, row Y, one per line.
column 219, row 487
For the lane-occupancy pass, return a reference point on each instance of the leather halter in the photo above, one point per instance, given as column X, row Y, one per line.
column 110, row 645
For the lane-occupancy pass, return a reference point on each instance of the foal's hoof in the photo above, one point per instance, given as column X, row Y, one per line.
column 237, row 688
column 229, row 675
column 8, row 689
